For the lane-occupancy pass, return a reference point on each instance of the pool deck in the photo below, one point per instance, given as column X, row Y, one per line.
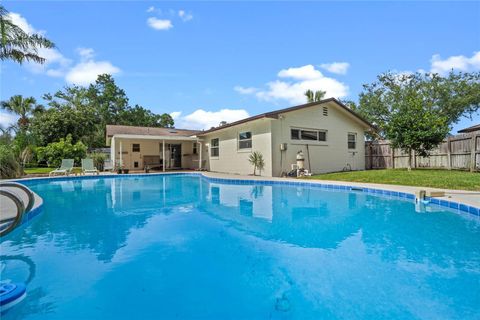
column 469, row 198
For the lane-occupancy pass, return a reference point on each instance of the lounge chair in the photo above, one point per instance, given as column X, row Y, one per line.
column 88, row 167
column 65, row 168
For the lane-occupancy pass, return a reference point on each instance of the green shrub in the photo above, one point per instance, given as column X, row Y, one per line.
column 98, row 159
column 9, row 166
column 54, row 152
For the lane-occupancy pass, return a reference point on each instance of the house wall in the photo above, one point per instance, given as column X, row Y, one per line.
column 152, row 148
column 233, row 160
column 332, row 155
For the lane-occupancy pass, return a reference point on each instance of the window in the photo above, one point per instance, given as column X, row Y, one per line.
column 194, row 148
column 214, row 148
column 308, row 135
column 135, row 164
column 322, row 135
column 245, row 140
column 136, row 147
column 352, row 141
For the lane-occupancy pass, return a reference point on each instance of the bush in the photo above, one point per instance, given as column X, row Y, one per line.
column 9, row 166
column 98, row 159
column 54, row 152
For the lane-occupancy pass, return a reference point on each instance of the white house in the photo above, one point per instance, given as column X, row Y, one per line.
column 330, row 135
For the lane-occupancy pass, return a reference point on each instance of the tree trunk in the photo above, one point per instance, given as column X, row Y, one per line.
column 254, row 170
column 409, row 159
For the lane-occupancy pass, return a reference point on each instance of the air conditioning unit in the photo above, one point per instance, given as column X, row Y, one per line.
column 283, row 146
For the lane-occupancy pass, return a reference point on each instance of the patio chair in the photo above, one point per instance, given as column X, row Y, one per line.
column 88, row 167
column 65, row 168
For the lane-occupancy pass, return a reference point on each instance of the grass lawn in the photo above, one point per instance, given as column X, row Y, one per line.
column 44, row 170
column 419, row 177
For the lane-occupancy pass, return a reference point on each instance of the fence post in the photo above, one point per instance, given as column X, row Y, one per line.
column 393, row 157
column 449, row 154
column 473, row 146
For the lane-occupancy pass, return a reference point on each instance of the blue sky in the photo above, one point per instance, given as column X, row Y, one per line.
column 205, row 62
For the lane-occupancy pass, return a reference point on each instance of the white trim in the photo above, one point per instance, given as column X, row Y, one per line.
column 149, row 137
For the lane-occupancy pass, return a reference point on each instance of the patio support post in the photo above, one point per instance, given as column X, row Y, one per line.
column 121, row 154
column 112, row 152
column 200, row 156
column 163, row 155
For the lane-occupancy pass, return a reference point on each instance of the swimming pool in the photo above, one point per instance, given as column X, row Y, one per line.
column 184, row 246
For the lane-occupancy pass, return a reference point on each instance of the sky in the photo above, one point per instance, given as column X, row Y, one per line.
column 206, row 62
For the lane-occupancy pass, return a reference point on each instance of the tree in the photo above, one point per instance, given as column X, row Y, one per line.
column 412, row 109
column 453, row 97
column 257, row 161
column 57, row 123
column 314, row 96
column 166, row 121
column 54, row 152
column 18, row 45
column 23, row 107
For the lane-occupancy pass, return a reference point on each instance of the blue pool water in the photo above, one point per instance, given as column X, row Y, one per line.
column 181, row 246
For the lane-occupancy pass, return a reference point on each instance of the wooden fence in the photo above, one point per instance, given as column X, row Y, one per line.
column 457, row 152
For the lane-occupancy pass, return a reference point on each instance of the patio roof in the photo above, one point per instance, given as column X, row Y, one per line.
column 116, row 130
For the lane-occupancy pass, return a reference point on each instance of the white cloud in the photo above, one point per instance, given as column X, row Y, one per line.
column 159, row 24
column 184, row 15
column 151, row 9
column 56, row 64
column 336, row 67
column 176, row 114
column 7, row 119
column 243, row 90
column 87, row 70
column 307, row 72
column 303, row 78
column 20, row 21
column 458, row 63
column 202, row 119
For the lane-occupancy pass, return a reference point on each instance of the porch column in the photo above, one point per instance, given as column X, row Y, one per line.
column 163, row 155
column 200, row 156
column 121, row 154
column 112, row 152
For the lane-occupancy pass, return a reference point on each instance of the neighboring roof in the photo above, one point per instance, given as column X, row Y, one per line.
column 148, row 131
column 274, row 115
column 470, row 129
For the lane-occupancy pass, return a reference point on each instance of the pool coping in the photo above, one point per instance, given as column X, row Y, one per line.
column 405, row 192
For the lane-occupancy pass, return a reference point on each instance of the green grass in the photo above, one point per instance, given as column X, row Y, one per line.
column 43, row 170
column 447, row 179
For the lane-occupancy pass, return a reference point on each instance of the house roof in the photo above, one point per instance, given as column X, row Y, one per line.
column 470, row 129
column 274, row 115
column 148, row 131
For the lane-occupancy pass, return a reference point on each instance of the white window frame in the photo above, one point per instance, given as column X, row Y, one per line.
column 239, row 140
column 307, row 140
column 214, row 147
column 195, row 148
column 354, row 134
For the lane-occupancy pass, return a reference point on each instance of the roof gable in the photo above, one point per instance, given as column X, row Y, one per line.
column 276, row 113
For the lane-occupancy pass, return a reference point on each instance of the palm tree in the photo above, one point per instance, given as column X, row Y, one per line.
column 23, row 107
column 256, row 159
column 18, row 45
column 314, row 96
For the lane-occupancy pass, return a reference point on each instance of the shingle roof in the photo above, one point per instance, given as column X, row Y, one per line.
column 470, row 129
column 274, row 114
column 149, row 131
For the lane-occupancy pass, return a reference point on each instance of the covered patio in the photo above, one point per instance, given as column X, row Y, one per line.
column 140, row 148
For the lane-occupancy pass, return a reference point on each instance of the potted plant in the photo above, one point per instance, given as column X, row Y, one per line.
column 125, row 171
column 118, row 167
column 256, row 159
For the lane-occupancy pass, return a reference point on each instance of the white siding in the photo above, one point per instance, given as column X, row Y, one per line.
column 332, row 155
column 233, row 160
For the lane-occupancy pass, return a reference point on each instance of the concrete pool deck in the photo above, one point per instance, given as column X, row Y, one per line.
column 468, row 198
